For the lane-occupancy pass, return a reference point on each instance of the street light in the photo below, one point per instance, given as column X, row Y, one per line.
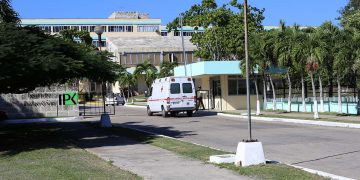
column 183, row 44
column 99, row 30
column 247, row 70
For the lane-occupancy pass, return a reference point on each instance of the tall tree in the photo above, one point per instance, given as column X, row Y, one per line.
column 167, row 69
column 148, row 70
column 127, row 80
column 283, row 51
column 7, row 13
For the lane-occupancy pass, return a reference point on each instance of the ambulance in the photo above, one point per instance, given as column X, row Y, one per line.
column 172, row 95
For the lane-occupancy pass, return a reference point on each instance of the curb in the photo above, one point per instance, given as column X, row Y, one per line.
column 297, row 121
column 312, row 171
column 43, row 120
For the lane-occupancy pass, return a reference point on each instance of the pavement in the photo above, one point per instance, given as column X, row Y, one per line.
column 302, row 115
column 145, row 160
column 328, row 149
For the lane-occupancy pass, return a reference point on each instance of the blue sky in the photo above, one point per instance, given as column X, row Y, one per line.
column 303, row 12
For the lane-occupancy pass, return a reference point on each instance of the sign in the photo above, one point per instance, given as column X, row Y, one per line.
column 69, row 98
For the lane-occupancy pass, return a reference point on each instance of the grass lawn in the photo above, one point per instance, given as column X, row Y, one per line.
column 42, row 152
column 268, row 171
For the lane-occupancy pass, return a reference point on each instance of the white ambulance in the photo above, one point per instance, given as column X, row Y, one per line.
column 172, row 95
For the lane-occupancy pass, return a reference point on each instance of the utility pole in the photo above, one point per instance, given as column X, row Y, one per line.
column 247, row 69
column 183, row 44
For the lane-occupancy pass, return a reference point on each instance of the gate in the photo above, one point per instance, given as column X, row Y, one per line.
column 92, row 104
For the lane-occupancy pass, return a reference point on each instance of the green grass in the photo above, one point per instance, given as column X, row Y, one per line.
column 139, row 98
column 197, row 152
column 42, row 152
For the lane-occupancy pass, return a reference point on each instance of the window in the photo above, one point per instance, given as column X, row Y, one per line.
column 45, row 28
column 120, row 29
column 75, row 27
column 175, row 88
column 164, row 33
column 147, row 28
column 60, row 28
column 85, row 28
column 185, row 33
column 92, row 28
column 187, row 88
column 237, row 86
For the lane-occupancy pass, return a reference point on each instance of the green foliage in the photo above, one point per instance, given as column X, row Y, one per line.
column 7, row 13
column 148, row 70
column 223, row 38
column 72, row 34
column 30, row 58
column 127, row 80
column 167, row 69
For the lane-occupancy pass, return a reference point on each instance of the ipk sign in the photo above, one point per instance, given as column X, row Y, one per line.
column 69, row 99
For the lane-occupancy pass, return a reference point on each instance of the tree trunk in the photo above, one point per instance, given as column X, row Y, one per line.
column 322, row 109
column 274, row 93
column 257, row 98
column 289, row 96
column 331, row 84
column 123, row 94
column 339, row 96
column 264, row 93
column 316, row 113
column 303, row 92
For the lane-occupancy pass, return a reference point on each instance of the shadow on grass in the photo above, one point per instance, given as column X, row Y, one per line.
column 18, row 138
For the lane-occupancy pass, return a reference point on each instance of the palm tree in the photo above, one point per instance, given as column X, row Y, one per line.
column 299, row 54
column 342, row 61
column 167, row 69
column 148, row 70
column 127, row 80
column 283, row 52
column 7, row 13
column 312, row 65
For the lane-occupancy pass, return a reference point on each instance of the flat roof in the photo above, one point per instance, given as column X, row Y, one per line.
column 102, row 21
column 151, row 44
column 209, row 68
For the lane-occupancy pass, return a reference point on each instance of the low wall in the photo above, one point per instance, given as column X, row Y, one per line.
column 54, row 101
column 329, row 106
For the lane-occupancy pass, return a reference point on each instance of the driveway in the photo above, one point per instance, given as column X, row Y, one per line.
column 332, row 150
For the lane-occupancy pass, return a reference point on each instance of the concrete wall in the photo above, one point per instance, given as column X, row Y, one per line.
column 42, row 102
column 225, row 102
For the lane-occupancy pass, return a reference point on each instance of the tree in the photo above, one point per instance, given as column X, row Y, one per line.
column 342, row 61
column 73, row 34
column 148, row 70
column 350, row 9
column 223, row 38
column 7, row 13
column 30, row 58
column 127, row 80
column 167, row 69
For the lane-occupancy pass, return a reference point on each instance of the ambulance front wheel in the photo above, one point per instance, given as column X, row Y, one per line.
column 163, row 112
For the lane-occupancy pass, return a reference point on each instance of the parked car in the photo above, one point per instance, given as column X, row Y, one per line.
column 172, row 95
column 114, row 100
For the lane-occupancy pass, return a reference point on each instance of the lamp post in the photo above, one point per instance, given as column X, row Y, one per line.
column 99, row 30
column 247, row 70
column 183, row 44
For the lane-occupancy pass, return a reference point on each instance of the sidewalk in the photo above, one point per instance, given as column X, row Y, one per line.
column 148, row 161
column 300, row 115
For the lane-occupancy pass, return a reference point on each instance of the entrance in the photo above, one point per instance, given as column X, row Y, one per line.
column 215, row 93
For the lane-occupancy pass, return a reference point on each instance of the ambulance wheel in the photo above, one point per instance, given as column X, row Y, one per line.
column 163, row 112
column 189, row 113
column 149, row 113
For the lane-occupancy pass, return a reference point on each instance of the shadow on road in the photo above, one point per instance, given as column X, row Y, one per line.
column 168, row 130
column 18, row 138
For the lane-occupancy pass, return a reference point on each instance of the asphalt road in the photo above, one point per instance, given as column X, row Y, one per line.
column 332, row 150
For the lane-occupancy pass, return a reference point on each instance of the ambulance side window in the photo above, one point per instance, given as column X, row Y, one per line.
column 187, row 88
column 175, row 88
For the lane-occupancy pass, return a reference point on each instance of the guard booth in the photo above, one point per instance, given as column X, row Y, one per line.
column 94, row 101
